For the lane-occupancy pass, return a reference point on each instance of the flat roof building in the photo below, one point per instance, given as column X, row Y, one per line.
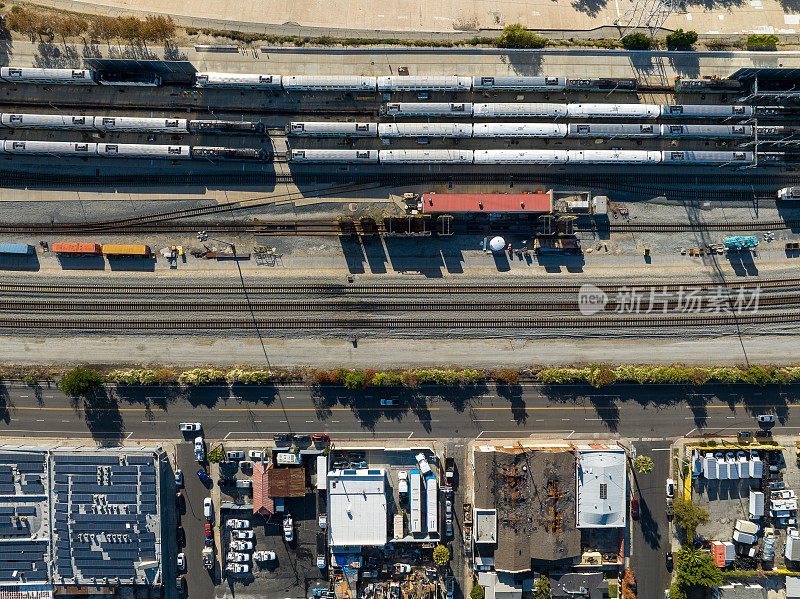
column 602, row 486
column 80, row 516
column 357, row 508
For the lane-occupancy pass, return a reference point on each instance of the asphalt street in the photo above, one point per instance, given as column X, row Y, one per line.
column 650, row 535
column 571, row 412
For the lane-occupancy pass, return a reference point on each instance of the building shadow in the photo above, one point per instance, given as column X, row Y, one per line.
column 353, row 254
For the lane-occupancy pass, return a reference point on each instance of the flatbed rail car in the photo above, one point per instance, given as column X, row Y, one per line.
column 16, row 249
column 77, row 249
column 39, row 75
column 245, row 80
column 335, row 128
column 121, row 251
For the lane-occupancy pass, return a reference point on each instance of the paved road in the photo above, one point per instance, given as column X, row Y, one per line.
column 635, row 411
column 650, row 535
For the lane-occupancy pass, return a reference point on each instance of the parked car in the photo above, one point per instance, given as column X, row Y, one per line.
column 320, row 438
column 448, row 509
column 180, row 536
column 387, row 402
column 744, row 435
column 766, row 418
column 361, row 464
column 288, row 528
column 242, row 545
column 232, row 456
column 302, row 440
column 777, row 485
column 189, row 427
column 448, row 528
column 179, row 478
column 209, row 540
column 669, row 561
column 180, row 583
column 204, row 478
column 448, row 585
column 424, row 467
column 181, row 561
column 255, row 456
column 264, row 556
column 402, row 482
column 669, row 509
column 323, row 521
column 403, row 568
column 237, row 524
column 761, row 434
column 199, row 449
column 237, row 557
column 670, row 488
column 208, row 509
column 237, row 568
column 244, row 484
column 321, row 561
column 242, row 534
column 634, row 508
column 282, row 439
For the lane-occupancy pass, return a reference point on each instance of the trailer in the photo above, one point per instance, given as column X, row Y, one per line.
column 18, row 249
column 432, row 504
column 756, row 504
column 77, row 249
column 117, row 251
column 738, row 243
column 415, row 501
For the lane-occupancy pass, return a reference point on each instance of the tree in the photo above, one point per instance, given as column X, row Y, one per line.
column 636, row 41
column 131, row 29
column 25, row 21
column 80, row 382
column 69, row 27
column 676, row 591
column 356, row 379
column 441, row 555
column 158, row 28
column 516, row 36
column 681, row 38
column 697, row 569
column 688, row 515
column 477, row 592
column 766, row 41
column 541, row 588
column 104, row 27
column 216, row 454
column 643, row 464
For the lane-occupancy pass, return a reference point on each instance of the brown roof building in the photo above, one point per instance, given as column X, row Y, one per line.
column 533, row 493
column 270, row 482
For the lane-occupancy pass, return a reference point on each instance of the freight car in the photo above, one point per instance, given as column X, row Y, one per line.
column 120, row 251
column 17, row 249
column 77, row 249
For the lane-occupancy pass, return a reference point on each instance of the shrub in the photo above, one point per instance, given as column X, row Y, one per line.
column 681, row 38
column 636, row 41
column 601, row 376
column 477, row 592
column 387, row 379
column 216, row 454
column 762, row 41
column 506, row 377
column 643, row 464
column 516, row 36
column 409, row 379
column 80, row 382
column 132, row 377
column 201, row 376
column 191, row 31
column 15, row 8
column 356, row 379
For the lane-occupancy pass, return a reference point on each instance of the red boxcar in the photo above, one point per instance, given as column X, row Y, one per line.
column 76, row 248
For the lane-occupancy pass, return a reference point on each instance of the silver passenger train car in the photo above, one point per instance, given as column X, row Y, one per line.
column 519, row 130
column 444, row 83
column 245, row 80
column 447, row 130
column 505, row 83
column 409, row 109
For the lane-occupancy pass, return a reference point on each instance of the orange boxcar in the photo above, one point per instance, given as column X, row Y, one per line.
column 76, row 248
column 126, row 250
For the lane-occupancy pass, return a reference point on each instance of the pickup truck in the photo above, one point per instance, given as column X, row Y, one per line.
column 208, row 558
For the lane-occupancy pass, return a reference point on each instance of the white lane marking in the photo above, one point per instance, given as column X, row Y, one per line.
column 25, row 396
column 485, row 420
column 228, row 421
column 564, row 419
column 153, row 421
column 660, row 449
column 540, row 420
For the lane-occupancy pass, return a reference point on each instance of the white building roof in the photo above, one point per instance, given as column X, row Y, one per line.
column 485, row 526
column 602, row 485
column 792, row 587
column 357, row 512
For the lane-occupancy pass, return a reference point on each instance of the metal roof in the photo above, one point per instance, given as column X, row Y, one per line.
column 766, row 73
column 532, row 203
column 602, row 486
column 357, row 506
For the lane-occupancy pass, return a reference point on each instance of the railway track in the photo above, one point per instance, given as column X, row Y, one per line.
column 419, row 324
column 380, row 289
column 305, row 306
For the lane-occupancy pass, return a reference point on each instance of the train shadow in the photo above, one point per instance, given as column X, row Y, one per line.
column 132, row 264
column 82, row 262
column 742, row 264
column 28, row 262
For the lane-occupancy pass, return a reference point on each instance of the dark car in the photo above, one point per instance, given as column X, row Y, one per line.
column 669, row 561
column 634, row 508
column 744, row 435
column 763, row 433
column 180, row 536
column 302, row 440
column 180, row 503
column 204, row 478
column 282, row 439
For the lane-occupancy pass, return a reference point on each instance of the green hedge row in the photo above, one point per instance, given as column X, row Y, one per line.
column 595, row 375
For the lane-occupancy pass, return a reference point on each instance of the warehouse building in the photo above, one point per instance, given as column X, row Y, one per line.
column 357, row 509
column 490, row 203
column 79, row 519
column 601, row 486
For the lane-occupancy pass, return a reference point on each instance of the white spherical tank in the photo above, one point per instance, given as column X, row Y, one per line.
column 497, row 244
